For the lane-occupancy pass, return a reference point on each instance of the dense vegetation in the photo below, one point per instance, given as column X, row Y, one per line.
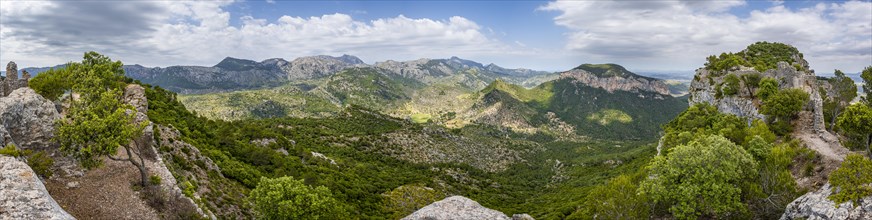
column 597, row 113
column 761, row 55
column 742, row 172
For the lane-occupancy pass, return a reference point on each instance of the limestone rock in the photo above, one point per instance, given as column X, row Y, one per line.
column 628, row 82
column 314, row 67
column 745, row 104
column 815, row 205
column 27, row 120
column 22, row 194
column 459, row 208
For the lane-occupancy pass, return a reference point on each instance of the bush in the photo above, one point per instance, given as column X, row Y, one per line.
column 41, row 164
column 11, row 150
column 406, row 199
column 768, row 86
column 154, row 180
column 852, row 180
column 288, row 198
column 616, row 200
column 782, row 107
column 704, row 178
column 761, row 55
column 731, row 85
column 51, row 84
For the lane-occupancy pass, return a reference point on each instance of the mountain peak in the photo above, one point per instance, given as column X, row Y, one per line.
column 345, row 58
column 605, row 70
column 230, row 63
column 469, row 63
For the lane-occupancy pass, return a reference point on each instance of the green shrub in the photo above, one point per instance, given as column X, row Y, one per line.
column 615, row 200
column 10, row 150
column 154, row 180
column 852, row 180
column 731, row 85
column 761, row 55
column 51, row 84
column 41, row 164
column 701, row 179
column 288, row 198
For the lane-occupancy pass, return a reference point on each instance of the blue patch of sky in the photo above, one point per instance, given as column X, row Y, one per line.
column 512, row 22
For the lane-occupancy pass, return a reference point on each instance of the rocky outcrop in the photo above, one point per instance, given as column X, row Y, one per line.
column 615, row 79
column 22, row 194
column 190, row 166
column 199, row 79
column 815, row 205
column 12, row 82
column 27, row 120
column 460, row 208
column 745, row 104
column 237, row 74
column 319, row 66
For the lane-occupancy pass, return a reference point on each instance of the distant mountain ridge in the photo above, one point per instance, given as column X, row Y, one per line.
column 231, row 74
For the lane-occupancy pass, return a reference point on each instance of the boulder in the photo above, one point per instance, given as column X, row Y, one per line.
column 815, row 205
column 459, row 208
column 27, row 120
column 22, row 194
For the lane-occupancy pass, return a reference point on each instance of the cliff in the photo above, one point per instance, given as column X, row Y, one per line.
column 815, row 206
column 612, row 77
column 22, row 194
column 459, row 207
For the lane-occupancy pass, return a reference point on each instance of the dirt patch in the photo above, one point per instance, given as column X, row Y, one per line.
column 102, row 193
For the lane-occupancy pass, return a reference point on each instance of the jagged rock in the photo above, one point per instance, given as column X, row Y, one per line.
column 624, row 82
column 815, row 205
column 314, row 67
column 522, row 217
column 202, row 170
column 73, row 184
column 459, row 208
column 263, row 142
column 22, row 194
column 323, row 157
column 135, row 95
column 27, row 120
column 745, row 104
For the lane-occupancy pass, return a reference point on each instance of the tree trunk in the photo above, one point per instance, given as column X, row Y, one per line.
column 869, row 145
column 143, row 173
column 833, row 121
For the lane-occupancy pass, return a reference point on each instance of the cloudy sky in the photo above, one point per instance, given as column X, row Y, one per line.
column 652, row 36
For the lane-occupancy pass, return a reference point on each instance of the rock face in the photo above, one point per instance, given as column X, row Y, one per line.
column 236, row 74
column 612, row 77
column 12, row 82
column 27, row 120
column 459, row 208
column 815, row 205
column 744, row 104
column 319, row 66
column 22, row 194
column 230, row 74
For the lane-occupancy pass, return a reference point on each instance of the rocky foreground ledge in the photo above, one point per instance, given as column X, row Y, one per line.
column 815, row 205
column 460, row 208
column 22, row 195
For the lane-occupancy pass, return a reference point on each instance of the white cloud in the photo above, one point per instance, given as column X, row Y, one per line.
column 199, row 33
column 674, row 35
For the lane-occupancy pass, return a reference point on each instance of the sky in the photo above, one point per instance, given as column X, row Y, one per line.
column 643, row 36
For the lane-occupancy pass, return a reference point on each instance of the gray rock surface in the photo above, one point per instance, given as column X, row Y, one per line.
column 27, row 120
column 22, row 194
column 237, row 74
column 631, row 83
column 459, row 208
column 702, row 90
column 314, row 67
column 815, row 205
